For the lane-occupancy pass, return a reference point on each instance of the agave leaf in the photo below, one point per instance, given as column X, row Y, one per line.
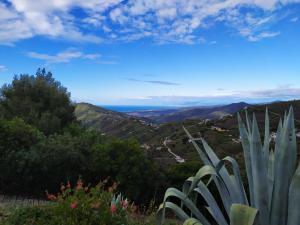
column 248, row 121
column 201, row 153
column 284, row 170
column 271, row 176
column 277, row 143
column 246, row 149
column 234, row 193
column 242, row 215
column 259, row 172
column 267, row 137
column 219, row 183
column 160, row 215
column 173, row 192
column 210, row 158
column 203, row 171
column 237, row 179
column 294, row 199
column 215, row 211
column 192, row 221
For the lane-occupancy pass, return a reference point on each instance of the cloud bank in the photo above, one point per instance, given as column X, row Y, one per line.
column 164, row 21
column 282, row 93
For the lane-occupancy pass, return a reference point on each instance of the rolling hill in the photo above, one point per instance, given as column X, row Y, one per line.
column 221, row 134
column 182, row 114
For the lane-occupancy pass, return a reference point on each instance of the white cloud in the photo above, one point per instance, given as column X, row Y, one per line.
column 2, row 68
column 161, row 20
column 294, row 19
column 263, row 35
column 63, row 57
column 284, row 93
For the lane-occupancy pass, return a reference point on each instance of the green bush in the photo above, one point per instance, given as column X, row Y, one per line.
column 30, row 162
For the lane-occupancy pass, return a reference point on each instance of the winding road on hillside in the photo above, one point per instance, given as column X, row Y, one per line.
column 177, row 157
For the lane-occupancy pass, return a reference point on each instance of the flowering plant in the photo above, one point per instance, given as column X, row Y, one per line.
column 81, row 205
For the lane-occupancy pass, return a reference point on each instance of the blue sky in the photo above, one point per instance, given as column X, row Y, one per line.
column 156, row 52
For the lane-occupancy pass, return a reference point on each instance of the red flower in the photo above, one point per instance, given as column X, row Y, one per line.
column 79, row 184
column 124, row 204
column 73, row 205
column 113, row 208
column 51, row 197
column 68, row 185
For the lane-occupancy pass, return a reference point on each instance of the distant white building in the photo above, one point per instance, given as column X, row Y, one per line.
column 219, row 129
column 145, row 146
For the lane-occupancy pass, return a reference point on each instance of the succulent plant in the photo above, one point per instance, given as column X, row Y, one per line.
column 273, row 181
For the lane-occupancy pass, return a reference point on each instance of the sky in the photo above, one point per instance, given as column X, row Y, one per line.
column 156, row 52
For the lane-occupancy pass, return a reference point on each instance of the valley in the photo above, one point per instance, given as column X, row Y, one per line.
column 157, row 139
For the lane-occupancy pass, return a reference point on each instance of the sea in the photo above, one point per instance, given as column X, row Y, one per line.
column 134, row 108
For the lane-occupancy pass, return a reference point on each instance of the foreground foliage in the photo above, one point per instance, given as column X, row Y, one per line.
column 42, row 144
column 31, row 162
column 82, row 205
column 274, row 182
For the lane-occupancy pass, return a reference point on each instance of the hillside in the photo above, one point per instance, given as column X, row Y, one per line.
column 221, row 134
column 181, row 114
column 112, row 123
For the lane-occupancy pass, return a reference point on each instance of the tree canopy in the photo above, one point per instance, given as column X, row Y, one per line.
column 39, row 100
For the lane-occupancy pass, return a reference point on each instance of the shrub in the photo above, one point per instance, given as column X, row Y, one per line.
column 78, row 205
column 31, row 162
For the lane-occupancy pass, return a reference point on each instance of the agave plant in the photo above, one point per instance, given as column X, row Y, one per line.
column 273, row 181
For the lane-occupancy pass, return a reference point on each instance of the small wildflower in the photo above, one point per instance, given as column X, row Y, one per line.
column 73, row 205
column 124, row 204
column 113, row 208
column 68, row 185
column 51, row 197
column 79, row 185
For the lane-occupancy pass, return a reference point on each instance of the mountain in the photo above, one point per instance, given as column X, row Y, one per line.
column 164, row 142
column 182, row 114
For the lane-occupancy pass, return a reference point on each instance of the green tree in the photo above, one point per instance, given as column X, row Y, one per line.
column 39, row 100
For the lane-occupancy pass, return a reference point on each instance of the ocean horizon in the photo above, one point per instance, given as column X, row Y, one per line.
column 135, row 108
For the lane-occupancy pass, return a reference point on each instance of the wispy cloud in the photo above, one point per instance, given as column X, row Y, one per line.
column 285, row 92
column 294, row 19
column 161, row 82
column 2, row 68
column 63, row 57
column 263, row 35
column 116, row 20
column 153, row 82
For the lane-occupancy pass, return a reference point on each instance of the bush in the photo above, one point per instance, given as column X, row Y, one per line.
column 17, row 160
column 79, row 205
column 30, row 162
